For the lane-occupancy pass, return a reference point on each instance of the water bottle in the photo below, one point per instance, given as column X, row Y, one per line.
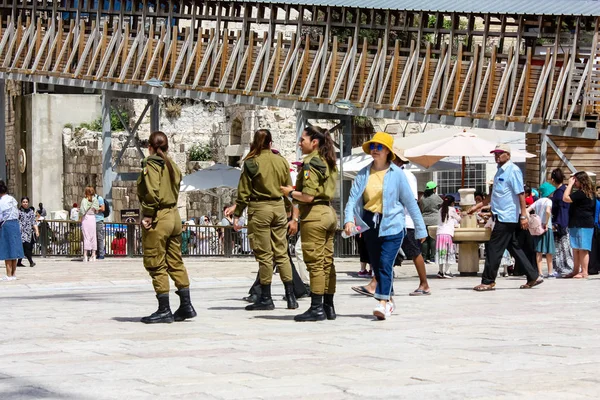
column 355, row 230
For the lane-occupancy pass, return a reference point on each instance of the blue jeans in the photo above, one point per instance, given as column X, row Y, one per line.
column 382, row 253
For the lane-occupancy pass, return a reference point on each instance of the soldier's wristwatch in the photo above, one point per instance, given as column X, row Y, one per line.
column 296, row 219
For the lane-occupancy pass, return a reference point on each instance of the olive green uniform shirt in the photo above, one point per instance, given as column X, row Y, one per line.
column 316, row 179
column 155, row 188
column 261, row 179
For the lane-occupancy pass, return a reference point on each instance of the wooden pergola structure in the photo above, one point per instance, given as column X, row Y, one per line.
column 531, row 67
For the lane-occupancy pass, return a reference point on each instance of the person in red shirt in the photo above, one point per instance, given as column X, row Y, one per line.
column 119, row 244
column 529, row 200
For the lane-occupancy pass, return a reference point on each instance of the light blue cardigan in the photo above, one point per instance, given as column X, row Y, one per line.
column 397, row 194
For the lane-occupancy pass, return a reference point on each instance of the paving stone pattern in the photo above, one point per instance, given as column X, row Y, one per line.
column 70, row 331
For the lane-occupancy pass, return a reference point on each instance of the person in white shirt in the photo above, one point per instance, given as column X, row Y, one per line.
column 544, row 244
column 74, row 213
column 445, row 253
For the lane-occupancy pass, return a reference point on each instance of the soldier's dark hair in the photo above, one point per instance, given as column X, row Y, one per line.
column 160, row 143
column 3, row 188
column 557, row 176
column 261, row 141
column 326, row 147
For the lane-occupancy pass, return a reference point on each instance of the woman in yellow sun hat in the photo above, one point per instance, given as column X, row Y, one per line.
column 379, row 194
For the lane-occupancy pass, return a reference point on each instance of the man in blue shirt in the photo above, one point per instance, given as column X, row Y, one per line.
column 510, row 214
column 100, row 227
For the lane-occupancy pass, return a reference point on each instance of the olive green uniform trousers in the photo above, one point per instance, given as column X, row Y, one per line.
column 162, row 251
column 317, row 230
column 267, row 229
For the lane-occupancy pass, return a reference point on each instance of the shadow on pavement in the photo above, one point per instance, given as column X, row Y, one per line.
column 363, row 316
column 19, row 388
column 276, row 317
column 126, row 319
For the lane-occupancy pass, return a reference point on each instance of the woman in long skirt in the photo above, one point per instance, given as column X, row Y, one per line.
column 10, row 233
column 89, row 205
column 562, row 260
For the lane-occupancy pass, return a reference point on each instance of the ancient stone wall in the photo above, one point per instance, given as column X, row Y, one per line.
column 197, row 123
column 13, row 89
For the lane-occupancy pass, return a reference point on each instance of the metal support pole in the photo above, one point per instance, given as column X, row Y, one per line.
column 3, row 172
column 108, row 174
column 300, row 125
column 345, row 150
column 155, row 114
column 543, row 157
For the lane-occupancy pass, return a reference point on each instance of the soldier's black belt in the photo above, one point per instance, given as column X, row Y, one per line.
column 259, row 200
column 166, row 207
column 318, row 203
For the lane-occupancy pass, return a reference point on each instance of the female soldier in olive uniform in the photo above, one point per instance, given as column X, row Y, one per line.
column 158, row 190
column 315, row 187
column 263, row 174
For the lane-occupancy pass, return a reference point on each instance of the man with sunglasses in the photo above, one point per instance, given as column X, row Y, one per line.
column 509, row 212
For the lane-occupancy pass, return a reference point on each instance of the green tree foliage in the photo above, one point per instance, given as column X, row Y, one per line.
column 201, row 152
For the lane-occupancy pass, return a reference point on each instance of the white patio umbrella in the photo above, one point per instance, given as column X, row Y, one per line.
column 216, row 176
column 464, row 144
column 355, row 162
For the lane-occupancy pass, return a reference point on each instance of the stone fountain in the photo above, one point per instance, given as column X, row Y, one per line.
column 468, row 236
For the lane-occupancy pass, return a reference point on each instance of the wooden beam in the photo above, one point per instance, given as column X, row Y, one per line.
column 491, row 85
column 458, row 77
column 363, row 66
column 340, row 77
column 155, row 57
column 449, row 84
column 426, row 62
column 231, row 63
column 524, row 75
column 406, row 74
column 465, row 86
column 183, row 53
column 130, row 55
column 49, row 34
column 333, row 68
column 527, row 72
column 120, row 49
column 64, row 48
column 558, row 91
column 291, row 56
column 540, row 88
column 86, row 50
column 437, row 77
column 503, row 86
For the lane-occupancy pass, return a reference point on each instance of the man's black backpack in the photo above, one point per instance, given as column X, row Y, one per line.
column 106, row 209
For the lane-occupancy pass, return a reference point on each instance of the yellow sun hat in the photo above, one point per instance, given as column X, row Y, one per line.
column 382, row 138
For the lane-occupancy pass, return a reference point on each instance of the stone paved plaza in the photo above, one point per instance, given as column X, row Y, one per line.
column 70, row 331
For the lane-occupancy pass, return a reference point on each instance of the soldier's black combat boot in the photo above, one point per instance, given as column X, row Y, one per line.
column 163, row 314
column 328, row 306
column 264, row 302
column 186, row 309
column 290, row 296
column 315, row 312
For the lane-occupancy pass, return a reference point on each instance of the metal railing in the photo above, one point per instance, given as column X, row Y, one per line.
column 64, row 238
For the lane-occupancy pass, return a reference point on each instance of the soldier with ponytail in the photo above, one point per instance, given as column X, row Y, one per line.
column 158, row 191
column 315, row 188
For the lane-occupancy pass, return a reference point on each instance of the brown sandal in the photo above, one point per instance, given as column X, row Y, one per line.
column 485, row 288
column 532, row 284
